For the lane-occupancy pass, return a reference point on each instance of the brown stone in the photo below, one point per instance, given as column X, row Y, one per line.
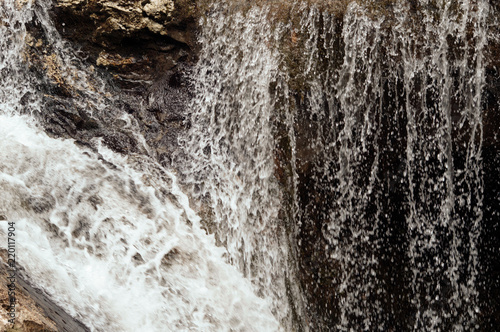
column 29, row 316
column 135, row 41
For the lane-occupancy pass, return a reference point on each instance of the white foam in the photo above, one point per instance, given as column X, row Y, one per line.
column 80, row 222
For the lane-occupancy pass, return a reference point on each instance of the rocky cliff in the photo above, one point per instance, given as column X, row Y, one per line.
column 143, row 51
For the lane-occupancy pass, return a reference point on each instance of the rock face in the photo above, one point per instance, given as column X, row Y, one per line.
column 135, row 40
column 29, row 316
column 129, row 56
column 34, row 311
column 146, row 48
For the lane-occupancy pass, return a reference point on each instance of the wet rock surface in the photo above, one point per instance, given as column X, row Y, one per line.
column 34, row 311
column 133, row 69
column 137, row 41
column 144, row 50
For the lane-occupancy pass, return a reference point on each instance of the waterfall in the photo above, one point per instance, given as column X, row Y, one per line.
column 110, row 238
column 387, row 110
column 330, row 176
column 431, row 88
column 401, row 87
column 229, row 147
column 444, row 170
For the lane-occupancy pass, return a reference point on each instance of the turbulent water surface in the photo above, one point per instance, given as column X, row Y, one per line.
column 111, row 238
column 336, row 164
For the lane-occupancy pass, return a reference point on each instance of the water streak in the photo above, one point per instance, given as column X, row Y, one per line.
column 115, row 232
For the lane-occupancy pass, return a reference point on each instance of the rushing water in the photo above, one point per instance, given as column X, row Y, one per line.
column 231, row 143
column 110, row 238
column 444, row 170
column 435, row 87
column 333, row 168
column 395, row 120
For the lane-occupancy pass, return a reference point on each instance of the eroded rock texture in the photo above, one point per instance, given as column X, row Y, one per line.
column 120, row 57
column 137, row 40
column 138, row 55
column 29, row 316
column 34, row 311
